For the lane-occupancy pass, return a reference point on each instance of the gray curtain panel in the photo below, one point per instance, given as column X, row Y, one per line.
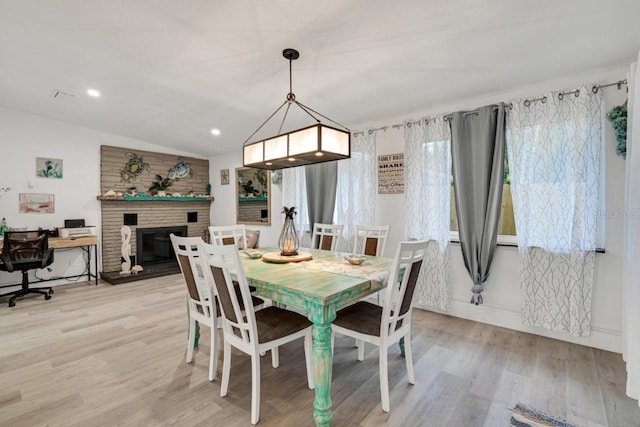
column 477, row 153
column 322, row 180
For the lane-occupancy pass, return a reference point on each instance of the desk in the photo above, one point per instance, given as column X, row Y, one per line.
column 85, row 243
column 321, row 294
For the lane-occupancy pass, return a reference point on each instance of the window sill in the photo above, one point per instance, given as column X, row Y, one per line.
column 508, row 243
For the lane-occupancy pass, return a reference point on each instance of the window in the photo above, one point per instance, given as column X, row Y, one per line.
column 507, row 226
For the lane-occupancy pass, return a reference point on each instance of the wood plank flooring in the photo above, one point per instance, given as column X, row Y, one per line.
column 115, row 355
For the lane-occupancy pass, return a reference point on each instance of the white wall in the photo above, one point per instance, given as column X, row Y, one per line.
column 502, row 295
column 23, row 138
column 223, row 209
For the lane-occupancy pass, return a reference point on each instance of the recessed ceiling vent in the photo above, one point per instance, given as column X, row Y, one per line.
column 60, row 95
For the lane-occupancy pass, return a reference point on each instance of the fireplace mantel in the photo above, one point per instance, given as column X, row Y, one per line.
column 127, row 198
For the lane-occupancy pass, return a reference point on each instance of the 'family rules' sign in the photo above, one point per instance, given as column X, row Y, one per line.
column 391, row 173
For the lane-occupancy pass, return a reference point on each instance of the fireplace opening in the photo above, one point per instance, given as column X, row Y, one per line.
column 154, row 245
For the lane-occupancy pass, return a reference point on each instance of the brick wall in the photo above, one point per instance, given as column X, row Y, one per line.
column 149, row 213
column 250, row 211
column 113, row 159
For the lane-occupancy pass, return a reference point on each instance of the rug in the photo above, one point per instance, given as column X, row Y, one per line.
column 523, row 416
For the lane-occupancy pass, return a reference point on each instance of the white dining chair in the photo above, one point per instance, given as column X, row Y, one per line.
column 252, row 332
column 387, row 324
column 326, row 236
column 370, row 240
column 228, row 235
column 202, row 303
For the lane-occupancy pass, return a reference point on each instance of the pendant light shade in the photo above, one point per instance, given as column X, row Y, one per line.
column 317, row 143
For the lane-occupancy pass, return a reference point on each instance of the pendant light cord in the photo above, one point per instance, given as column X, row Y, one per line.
column 291, row 99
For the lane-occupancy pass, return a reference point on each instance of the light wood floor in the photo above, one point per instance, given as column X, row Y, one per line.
column 114, row 355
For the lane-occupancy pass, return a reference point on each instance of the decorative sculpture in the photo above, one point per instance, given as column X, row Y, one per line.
column 125, row 232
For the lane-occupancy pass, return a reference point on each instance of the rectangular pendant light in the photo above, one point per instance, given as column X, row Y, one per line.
column 314, row 144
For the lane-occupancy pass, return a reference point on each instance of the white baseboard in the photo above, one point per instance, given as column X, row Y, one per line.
column 602, row 338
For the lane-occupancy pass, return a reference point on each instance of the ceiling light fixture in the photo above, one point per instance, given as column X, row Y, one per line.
column 312, row 144
column 215, row 132
column 93, row 93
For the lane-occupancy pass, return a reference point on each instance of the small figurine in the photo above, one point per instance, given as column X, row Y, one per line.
column 3, row 227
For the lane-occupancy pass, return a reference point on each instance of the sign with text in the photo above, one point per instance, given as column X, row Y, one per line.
column 391, row 173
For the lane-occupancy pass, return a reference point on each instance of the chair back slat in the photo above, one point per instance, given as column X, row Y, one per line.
column 325, row 243
column 200, row 293
column 224, row 296
column 370, row 240
column 229, row 235
column 189, row 278
column 398, row 295
column 326, row 236
column 410, row 287
column 371, row 246
column 226, row 268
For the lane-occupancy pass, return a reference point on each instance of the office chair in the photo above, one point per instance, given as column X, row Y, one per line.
column 24, row 251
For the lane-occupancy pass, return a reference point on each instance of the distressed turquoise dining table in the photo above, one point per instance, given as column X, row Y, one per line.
column 321, row 287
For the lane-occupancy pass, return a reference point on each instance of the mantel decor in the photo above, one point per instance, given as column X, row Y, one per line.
column 312, row 144
column 288, row 241
column 149, row 198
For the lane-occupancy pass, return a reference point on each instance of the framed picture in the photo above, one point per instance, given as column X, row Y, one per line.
column 48, row 168
column 224, row 176
column 37, row 203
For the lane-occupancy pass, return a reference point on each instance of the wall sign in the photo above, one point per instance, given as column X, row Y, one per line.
column 391, row 173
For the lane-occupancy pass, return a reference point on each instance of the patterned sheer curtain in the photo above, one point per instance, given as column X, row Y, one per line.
column 631, row 259
column 294, row 193
column 427, row 146
column 554, row 160
column 357, row 188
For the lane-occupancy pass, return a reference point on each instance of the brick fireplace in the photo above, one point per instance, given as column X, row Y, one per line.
column 183, row 215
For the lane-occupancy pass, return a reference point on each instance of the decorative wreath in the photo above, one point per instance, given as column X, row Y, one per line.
column 618, row 118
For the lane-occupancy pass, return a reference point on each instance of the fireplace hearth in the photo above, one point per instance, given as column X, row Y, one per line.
column 154, row 252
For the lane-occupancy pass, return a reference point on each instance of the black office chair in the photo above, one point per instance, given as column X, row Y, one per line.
column 24, row 251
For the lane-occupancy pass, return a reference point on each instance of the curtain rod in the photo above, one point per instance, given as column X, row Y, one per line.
column 370, row 131
column 527, row 102
column 619, row 83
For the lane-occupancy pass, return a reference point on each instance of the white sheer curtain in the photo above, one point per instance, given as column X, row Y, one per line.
column 294, row 193
column 357, row 188
column 554, row 161
column 631, row 260
column 427, row 163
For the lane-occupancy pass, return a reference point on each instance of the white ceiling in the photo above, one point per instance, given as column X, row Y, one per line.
column 169, row 71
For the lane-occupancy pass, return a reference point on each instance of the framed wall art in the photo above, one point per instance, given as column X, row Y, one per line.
column 37, row 203
column 224, row 176
column 48, row 168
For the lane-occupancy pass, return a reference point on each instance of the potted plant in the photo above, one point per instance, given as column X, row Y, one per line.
column 159, row 186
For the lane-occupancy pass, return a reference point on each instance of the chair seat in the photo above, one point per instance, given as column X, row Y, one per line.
column 274, row 323
column 362, row 317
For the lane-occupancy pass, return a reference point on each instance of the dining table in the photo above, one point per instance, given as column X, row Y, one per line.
column 320, row 286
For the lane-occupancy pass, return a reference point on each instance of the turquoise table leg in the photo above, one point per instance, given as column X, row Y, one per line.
column 401, row 343
column 322, row 316
column 197, row 337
